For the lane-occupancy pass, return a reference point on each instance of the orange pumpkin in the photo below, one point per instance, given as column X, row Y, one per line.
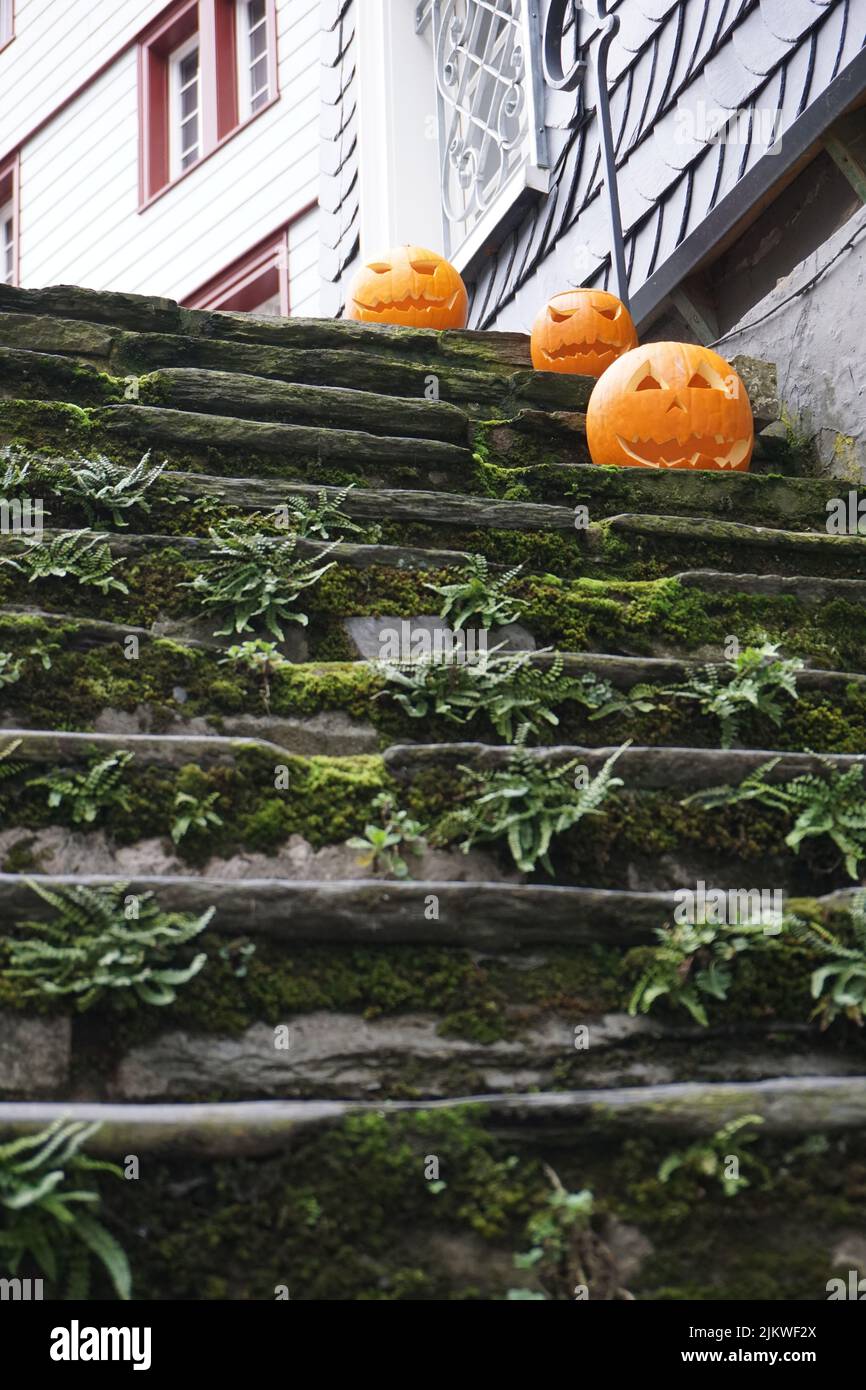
column 409, row 286
column 670, row 405
column 581, row 331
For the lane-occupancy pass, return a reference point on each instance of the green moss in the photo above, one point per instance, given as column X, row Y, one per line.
column 347, row 1214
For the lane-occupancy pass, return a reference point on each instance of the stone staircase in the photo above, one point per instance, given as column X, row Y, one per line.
column 435, row 1017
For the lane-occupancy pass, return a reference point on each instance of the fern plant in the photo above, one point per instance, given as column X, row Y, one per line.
column 317, row 519
column 385, row 844
column 15, row 465
column 257, row 579
column 9, row 771
column 193, row 813
column 101, row 944
column 833, row 806
column 839, row 986
column 692, row 962
column 604, row 700
column 11, row 668
column 46, row 1201
column 478, row 594
column 711, row 1158
column 106, row 487
column 508, row 688
column 258, row 657
column 90, row 793
column 71, row 555
column 527, row 804
column 757, row 679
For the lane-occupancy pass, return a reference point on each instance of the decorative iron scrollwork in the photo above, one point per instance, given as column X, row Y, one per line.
column 490, row 115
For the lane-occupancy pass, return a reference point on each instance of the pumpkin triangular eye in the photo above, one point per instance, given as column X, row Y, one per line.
column 424, row 267
column 648, row 383
column 608, row 313
column 697, row 380
column 379, row 267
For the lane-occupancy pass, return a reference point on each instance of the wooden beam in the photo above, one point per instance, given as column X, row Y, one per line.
column 698, row 312
column 845, row 143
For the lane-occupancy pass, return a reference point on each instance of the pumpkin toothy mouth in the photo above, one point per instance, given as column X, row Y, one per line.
column 407, row 303
column 689, row 453
column 583, row 350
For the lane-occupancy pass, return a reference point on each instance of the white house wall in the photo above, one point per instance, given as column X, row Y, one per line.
column 80, row 221
column 58, row 44
column 304, row 280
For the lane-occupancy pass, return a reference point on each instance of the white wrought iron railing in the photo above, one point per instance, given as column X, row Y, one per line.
column 490, row 112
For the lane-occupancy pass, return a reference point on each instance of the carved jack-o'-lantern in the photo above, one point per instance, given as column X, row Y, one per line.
column 409, row 286
column 581, row 331
column 670, row 405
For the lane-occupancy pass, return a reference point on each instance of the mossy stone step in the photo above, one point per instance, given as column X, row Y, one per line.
column 340, row 1055
column 644, row 769
column 353, row 448
column 449, row 509
column 733, row 546
column 811, row 590
column 565, row 477
column 198, row 548
column 487, row 916
column 46, row 376
column 473, row 511
column 788, row 1106
column 490, row 916
column 149, row 313
column 326, row 407
column 151, row 750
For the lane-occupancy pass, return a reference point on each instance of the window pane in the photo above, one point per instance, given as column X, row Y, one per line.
column 189, row 68
column 189, row 101
column 258, row 43
column 7, row 247
column 186, row 121
column 253, row 56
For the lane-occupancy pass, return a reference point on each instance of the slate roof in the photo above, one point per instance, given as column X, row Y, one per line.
column 671, row 60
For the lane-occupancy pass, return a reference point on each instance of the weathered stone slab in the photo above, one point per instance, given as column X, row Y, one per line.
column 166, row 750
column 645, row 769
column 484, row 390
column 326, row 407
column 49, row 376
column 34, row 1054
column 301, row 442
column 342, row 1055
column 809, row 589
column 488, row 914
column 367, row 634
column 392, row 504
column 761, row 383
column 805, row 551
column 791, row 1106
column 71, row 337
column 146, row 313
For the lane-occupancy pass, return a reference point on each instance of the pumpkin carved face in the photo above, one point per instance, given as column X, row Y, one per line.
column 581, row 331
column 409, row 286
column 670, row 405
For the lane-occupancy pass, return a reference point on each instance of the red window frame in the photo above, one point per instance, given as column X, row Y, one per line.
column 215, row 23
column 250, row 280
column 9, row 193
column 8, row 34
